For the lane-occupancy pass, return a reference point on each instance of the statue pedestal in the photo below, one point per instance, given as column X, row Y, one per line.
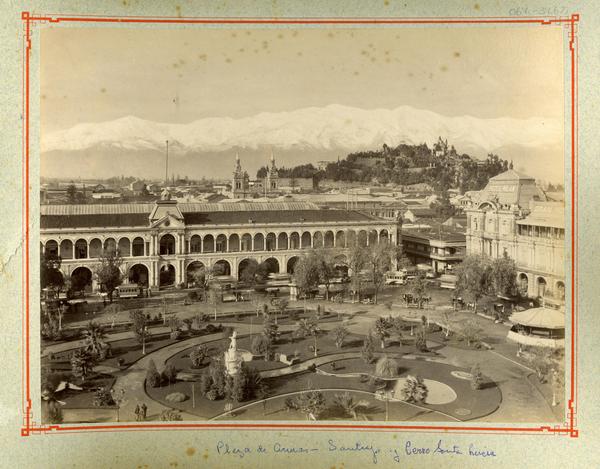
column 233, row 362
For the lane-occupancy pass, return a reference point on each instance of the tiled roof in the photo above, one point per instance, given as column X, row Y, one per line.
column 549, row 214
column 137, row 215
column 434, row 234
column 94, row 220
column 266, row 217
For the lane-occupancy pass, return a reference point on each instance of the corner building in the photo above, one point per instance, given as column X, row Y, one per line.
column 513, row 215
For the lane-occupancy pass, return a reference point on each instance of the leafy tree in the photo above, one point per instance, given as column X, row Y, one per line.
column 357, row 260
column 476, row 377
column 170, row 373
column 447, row 324
column 281, row 306
column 82, row 363
column 261, row 345
column 309, row 326
column 421, row 340
column 139, row 328
column 198, row 355
column 71, row 193
column 339, row 333
column 504, row 275
column 258, row 302
column 368, row 349
column 306, row 273
column 270, row 330
column 414, row 389
column 109, row 273
column 350, row 405
column 473, row 277
column 310, row 402
column 50, row 275
column 325, row 265
column 217, row 374
column 153, row 378
column 397, row 328
column 381, row 328
column 541, row 359
column 470, row 331
column 379, row 260
column 214, row 297
column 418, row 289
column 255, row 386
column 386, row 367
column 253, row 272
column 54, row 413
column 103, row 397
column 93, row 336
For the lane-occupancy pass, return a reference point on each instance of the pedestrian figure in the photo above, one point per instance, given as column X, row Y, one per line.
column 137, row 413
column 144, row 411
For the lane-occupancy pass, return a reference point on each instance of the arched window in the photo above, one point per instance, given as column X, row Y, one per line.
column 246, row 242
column 81, row 249
column 167, row 247
column 195, row 244
column 137, row 247
column 66, row 249
column 282, row 241
column 124, row 247
column 208, row 243
column 270, row 242
column 259, row 242
column 221, row 243
column 234, row 243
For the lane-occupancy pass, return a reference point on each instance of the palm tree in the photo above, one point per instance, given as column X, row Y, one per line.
column 414, row 389
column 93, row 336
column 386, row 367
column 382, row 329
column 308, row 327
column 349, row 405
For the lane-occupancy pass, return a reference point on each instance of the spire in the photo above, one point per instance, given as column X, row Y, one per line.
column 272, row 159
column 238, row 165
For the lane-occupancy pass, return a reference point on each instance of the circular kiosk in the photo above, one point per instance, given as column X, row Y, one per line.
column 538, row 327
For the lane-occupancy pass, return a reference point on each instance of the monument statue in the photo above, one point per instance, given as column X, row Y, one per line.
column 233, row 344
column 233, row 359
column 165, row 194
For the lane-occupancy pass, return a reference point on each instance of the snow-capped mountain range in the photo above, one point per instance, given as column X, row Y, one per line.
column 325, row 128
column 306, row 135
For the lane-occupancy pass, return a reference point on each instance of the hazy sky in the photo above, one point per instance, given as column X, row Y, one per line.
column 93, row 75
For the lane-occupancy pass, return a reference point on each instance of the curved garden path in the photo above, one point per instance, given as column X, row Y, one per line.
column 293, row 393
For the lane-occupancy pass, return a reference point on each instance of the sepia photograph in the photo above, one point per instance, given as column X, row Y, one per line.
column 302, row 223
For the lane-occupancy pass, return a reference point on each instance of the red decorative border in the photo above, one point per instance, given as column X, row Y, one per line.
column 29, row 426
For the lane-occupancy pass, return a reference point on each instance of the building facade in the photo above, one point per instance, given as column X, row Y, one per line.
column 162, row 243
column 440, row 248
column 513, row 217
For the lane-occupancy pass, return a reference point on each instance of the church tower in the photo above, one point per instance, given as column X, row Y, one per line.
column 241, row 182
column 272, row 179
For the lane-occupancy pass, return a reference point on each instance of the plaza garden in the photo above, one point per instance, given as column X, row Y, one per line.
column 294, row 365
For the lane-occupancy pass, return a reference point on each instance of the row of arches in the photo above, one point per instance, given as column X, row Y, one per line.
column 81, row 249
column 81, row 277
column 539, row 288
column 209, row 243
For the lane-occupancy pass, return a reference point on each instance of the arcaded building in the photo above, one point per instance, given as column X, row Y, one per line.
column 161, row 243
column 513, row 216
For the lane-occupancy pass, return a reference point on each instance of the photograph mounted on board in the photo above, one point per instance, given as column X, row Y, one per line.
column 332, row 223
